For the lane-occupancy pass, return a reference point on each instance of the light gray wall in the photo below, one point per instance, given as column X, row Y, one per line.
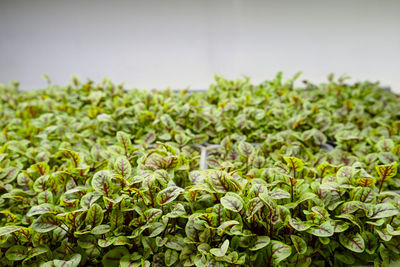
column 153, row 44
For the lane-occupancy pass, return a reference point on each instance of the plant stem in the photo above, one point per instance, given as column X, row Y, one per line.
column 383, row 179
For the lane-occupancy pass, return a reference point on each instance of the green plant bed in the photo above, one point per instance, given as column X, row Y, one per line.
column 93, row 174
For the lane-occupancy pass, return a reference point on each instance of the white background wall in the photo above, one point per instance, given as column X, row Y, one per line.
column 154, row 44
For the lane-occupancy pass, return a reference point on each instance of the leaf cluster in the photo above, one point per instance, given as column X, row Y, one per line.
column 93, row 174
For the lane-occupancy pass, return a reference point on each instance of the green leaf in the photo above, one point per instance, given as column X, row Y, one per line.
column 245, row 149
column 392, row 231
column 157, row 228
column 101, row 182
column 87, row 241
column 220, row 252
column 149, row 243
column 325, row 169
column 170, row 257
column 90, row 198
column 353, row 219
column 175, row 242
column 36, row 251
column 167, row 121
column 220, row 181
column 40, row 209
column 116, row 218
column 279, row 251
column 128, row 261
column 384, row 235
column 113, row 257
column 41, row 168
column 319, row 137
column 345, row 257
column 95, row 215
column 122, row 167
column 73, row 156
column 225, row 226
column 121, row 241
column 105, row 242
column 294, row 163
column 232, row 201
column 387, row 171
column 152, row 215
column 387, row 158
column 201, row 260
column 354, row 242
column 16, row 253
column 299, row 244
column 168, row 195
column 178, row 211
column 45, row 223
column 124, row 140
column 344, row 174
column 339, row 226
column 279, row 194
column 383, row 210
column 261, row 242
column 8, row 175
column 72, row 262
column 101, row 229
column 253, row 206
column 9, row 229
column 298, row 225
column 385, row 145
column 45, row 197
column 324, row 230
column 371, row 242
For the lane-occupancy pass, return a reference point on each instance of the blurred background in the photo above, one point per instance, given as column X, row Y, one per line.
column 155, row 44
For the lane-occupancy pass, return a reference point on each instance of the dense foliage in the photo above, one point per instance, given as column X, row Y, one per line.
column 240, row 174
